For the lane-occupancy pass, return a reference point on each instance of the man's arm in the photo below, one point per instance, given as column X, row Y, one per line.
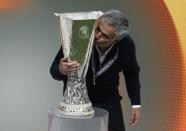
column 131, row 73
column 54, row 69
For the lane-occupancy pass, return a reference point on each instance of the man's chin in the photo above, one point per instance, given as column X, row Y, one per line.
column 97, row 43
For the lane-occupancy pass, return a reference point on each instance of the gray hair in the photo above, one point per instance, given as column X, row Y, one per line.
column 118, row 20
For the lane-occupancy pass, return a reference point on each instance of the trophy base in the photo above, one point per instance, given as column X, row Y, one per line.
column 59, row 122
column 76, row 110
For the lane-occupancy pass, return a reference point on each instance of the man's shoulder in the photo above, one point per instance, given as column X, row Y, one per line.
column 126, row 42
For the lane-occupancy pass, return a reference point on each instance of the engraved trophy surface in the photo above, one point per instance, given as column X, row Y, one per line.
column 77, row 37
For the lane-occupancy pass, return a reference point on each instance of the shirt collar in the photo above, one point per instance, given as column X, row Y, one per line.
column 106, row 52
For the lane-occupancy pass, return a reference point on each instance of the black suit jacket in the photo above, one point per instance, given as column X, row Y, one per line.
column 105, row 89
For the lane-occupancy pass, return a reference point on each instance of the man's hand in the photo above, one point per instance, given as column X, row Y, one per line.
column 66, row 66
column 135, row 116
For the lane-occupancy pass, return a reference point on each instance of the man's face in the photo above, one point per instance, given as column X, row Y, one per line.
column 104, row 35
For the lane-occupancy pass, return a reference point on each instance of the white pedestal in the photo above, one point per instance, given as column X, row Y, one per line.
column 59, row 122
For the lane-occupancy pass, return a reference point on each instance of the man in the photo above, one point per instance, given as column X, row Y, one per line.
column 113, row 52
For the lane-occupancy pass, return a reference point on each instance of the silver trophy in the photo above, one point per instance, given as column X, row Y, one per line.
column 77, row 37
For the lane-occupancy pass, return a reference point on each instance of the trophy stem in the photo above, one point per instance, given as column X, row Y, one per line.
column 75, row 100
